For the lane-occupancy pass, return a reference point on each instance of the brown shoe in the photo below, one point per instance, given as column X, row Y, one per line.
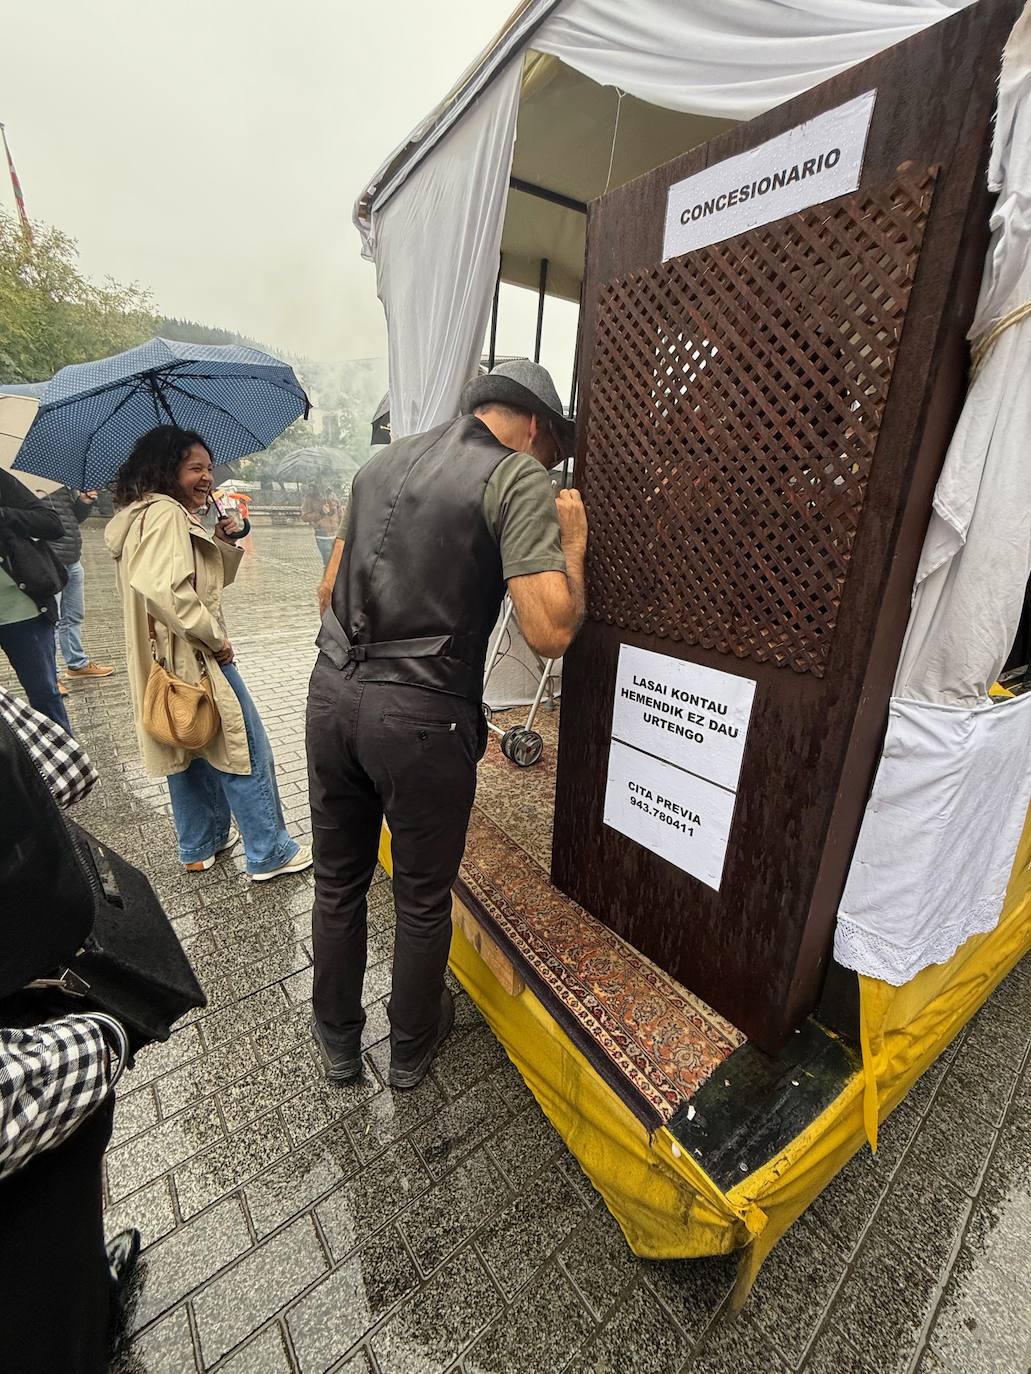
column 90, row 670
column 62, row 690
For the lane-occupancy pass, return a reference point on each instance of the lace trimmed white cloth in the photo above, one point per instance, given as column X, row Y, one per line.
column 934, row 855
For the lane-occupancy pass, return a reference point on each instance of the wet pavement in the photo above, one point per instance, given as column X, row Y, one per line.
column 291, row 1226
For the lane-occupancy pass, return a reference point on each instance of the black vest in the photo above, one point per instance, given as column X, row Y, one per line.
column 420, row 583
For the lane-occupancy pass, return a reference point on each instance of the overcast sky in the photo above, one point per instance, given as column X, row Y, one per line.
column 212, row 150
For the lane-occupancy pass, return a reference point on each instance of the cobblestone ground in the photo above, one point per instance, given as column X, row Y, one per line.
column 294, row 1226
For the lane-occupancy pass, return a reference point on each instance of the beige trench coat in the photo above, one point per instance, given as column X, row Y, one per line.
column 168, row 564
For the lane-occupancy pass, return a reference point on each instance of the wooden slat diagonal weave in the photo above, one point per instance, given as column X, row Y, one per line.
column 736, row 401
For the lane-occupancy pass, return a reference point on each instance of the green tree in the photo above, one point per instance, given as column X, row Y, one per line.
column 51, row 315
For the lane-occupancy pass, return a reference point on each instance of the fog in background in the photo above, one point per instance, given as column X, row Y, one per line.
column 212, row 150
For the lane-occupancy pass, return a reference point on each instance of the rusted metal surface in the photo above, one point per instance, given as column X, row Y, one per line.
column 828, row 531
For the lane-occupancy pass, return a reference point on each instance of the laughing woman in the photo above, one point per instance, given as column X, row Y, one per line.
column 171, row 572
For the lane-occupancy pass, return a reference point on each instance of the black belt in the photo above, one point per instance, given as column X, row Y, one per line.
column 333, row 641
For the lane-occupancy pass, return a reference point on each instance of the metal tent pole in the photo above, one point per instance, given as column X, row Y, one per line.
column 542, row 288
column 494, row 320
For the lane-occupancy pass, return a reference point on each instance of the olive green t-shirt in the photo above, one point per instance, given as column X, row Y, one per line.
column 519, row 507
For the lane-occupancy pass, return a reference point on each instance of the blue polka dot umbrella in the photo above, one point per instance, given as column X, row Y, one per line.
column 91, row 414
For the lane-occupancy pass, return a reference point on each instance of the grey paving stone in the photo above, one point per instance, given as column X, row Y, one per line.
column 361, row 1205
column 160, row 1057
column 976, row 1082
column 321, row 1104
column 953, row 1141
column 923, row 1214
column 984, row 1319
column 524, row 1236
column 292, row 1027
column 204, row 1076
column 243, row 1016
column 266, row 1088
column 524, row 1145
column 300, row 1179
column 165, row 1348
column 245, row 1296
column 266, row 1354
column 348, row 1303
column 538, row 1334
column 140, row 1161
column 189, row 1257
column 637, row 1338
column 693, row 1290
column 735, row 1345
column 390, row 1115
column 437, row 1221
column 465, row 1059
column 846, row 1207
column 883, row 1304
column 150, row 1211
column 1001, row 1030
column 794, row 1288
column 833, row 1353
column 233, row 1161
column 133, row 1113
column 429, row 1330
column 459, row 1128
column 599, row 1261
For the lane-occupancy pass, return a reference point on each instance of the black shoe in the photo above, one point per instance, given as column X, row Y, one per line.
column 340, row 1067
column 405, row 1076
column 122, row 1253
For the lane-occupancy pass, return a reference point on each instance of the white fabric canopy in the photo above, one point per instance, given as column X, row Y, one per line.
column 436, row 231
column 953, row 784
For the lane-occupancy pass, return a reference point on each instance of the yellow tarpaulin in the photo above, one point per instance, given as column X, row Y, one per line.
column 663, row 1200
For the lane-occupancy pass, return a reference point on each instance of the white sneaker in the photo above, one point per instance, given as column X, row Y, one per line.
column 202, row 865
column 300, row 861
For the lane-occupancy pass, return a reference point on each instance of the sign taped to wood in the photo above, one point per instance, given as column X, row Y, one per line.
column 813, row 162
column 678, row 738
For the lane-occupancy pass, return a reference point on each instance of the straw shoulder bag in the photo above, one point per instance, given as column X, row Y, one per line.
column 177, row 712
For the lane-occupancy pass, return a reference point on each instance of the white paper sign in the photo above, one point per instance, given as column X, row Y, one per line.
column 674, row 814
column 816, row 161
column 690, row 715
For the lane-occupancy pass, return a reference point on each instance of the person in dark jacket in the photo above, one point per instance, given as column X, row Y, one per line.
column 64, row 1290
column 28, row 588
column 440, row 524
column 73, row 508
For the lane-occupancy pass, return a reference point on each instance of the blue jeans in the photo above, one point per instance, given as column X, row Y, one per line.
column 325, row 543
column 203, row 797
column 71, row 605
column 29, row 644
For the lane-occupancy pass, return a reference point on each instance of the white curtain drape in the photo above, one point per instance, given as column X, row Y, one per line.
column 436, row 240
column 436, row 247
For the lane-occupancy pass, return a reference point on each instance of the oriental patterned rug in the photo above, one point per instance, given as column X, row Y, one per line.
column 652, row 1041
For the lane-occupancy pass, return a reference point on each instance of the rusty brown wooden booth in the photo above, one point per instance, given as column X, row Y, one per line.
column 762, row 423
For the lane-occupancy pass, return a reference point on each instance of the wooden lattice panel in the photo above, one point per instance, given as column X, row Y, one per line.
column 736, row 399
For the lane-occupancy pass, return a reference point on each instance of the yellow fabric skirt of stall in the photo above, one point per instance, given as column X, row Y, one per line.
column 664, row 1202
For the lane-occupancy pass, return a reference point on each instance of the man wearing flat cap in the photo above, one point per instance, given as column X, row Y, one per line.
column 439, row 524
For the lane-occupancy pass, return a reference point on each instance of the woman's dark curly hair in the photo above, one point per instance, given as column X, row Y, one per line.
column 154, row 463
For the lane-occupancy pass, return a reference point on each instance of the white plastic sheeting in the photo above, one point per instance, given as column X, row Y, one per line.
column 436, row 239
column 952, row 788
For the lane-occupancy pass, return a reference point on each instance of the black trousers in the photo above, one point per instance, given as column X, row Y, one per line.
column 380, row 750
column 55, row 1296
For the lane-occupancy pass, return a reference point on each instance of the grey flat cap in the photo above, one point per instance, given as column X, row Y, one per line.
column 519, row 382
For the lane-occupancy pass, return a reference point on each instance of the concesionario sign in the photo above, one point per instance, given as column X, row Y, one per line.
column 810, row 163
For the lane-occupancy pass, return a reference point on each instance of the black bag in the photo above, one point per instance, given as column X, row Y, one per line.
column 132, row 963
column 78, row 924
column 33, row 566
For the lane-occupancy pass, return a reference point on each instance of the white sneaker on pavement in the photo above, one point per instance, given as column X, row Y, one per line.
column 301, row 860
